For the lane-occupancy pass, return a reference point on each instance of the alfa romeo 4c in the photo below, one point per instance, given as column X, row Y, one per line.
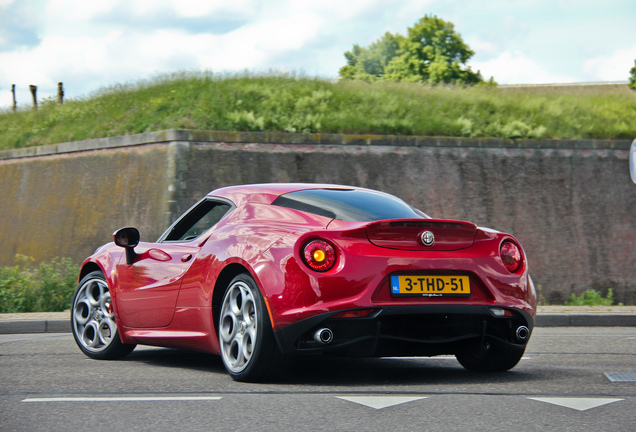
column 261, row 273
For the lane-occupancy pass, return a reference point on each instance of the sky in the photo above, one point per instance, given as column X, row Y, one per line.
column 94, row 44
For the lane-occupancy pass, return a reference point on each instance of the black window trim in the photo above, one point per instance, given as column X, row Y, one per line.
column 166, row 233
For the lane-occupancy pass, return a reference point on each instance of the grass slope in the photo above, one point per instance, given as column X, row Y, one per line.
column 298, row 104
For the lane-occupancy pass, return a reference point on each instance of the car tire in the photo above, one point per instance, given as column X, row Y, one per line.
column 248, row 348
column 492, row 357
column 93, row 320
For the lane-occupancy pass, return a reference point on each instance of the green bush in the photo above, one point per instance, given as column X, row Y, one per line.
column 591, row 298
column 46, row 287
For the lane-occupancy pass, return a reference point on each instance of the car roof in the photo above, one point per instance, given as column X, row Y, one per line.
column 266, row 193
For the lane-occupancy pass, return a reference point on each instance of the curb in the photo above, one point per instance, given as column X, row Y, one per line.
column 30, row 326
column 23, row 323
column 585, row 320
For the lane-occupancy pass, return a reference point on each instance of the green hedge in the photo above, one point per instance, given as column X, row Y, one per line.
column 46, row 287
column 592, row 298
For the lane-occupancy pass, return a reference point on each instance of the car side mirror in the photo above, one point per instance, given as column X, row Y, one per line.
column 127, row 238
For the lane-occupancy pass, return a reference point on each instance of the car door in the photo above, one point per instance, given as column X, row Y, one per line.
column 148, row 288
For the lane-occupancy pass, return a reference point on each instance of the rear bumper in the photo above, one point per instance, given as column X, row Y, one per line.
column 407, row 330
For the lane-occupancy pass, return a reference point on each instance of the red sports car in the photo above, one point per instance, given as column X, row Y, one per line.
column 259, row 273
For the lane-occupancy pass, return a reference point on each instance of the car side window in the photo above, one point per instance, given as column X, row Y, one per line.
column 200, row 219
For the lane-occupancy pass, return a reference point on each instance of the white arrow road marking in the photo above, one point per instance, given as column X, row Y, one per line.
column 580, row 404
column 621, row 376
column 379, row 402
column 121, row 399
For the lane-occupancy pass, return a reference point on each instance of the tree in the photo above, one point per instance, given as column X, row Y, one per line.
column 432, row 52
column 632, row 77
column 369, row 63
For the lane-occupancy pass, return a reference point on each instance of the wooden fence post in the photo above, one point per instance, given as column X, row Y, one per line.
column 60, row 93
column 34, row 89
column 15, row 103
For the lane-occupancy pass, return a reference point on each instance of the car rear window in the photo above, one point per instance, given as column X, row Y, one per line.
column 349, row 205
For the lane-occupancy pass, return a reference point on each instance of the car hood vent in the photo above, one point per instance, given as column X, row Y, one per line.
column 447, row 235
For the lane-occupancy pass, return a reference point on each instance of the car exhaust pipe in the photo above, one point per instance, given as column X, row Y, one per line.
column 323, row 336
column 523, row 333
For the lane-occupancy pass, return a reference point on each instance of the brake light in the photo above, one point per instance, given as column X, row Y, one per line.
column 511, row 256
column 319, row 255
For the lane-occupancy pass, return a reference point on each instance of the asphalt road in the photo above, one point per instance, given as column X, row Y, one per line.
column 47, row 384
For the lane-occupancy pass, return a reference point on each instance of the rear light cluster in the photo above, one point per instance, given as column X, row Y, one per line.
column 319, row 255
column 511, row 256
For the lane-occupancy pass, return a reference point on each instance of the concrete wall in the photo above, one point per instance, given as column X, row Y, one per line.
column 572, row 204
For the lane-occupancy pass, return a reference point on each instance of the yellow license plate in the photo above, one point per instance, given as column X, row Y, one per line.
column 430, row 286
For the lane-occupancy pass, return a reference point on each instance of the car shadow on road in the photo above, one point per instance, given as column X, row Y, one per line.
column 175, row 358
column 327, row 370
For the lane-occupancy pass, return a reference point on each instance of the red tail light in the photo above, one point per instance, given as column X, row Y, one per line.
column 319, row 255
column 511, row 256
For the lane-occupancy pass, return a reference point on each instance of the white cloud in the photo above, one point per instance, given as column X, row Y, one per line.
column 338, row 9
column 412, row 10
column 70, row 60
column 94, row 10
column 611, row 67
column 128, row 55
column 78, row 11
column 515, row 68
column 482, row 48
column 189, row 8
